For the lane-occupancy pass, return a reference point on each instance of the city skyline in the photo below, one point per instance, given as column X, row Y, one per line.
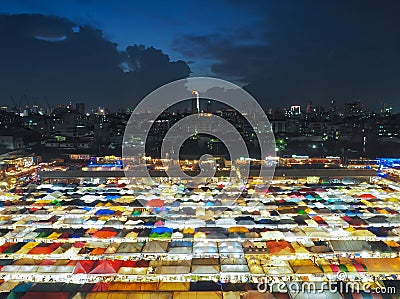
column 281, row 52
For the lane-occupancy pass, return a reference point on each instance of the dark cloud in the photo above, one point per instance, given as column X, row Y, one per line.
column 48, row 56
column 309, row 50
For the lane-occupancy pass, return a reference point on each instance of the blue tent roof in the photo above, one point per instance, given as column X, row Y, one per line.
column 105, row 212
column 22, row 287
column 161, row 230
column 112, row 197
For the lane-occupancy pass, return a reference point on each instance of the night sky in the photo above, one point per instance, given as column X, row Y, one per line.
column 112, row 53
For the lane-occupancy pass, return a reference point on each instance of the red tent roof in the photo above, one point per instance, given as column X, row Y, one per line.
column 100, row 287
column 83, row 267
column 155, row 203
column 103, row 267
column 367, row 196
column 48, row 262
column 130, row 264
column 79, row 269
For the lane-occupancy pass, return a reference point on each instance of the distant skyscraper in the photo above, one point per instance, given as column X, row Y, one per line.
column 80, row 107
column 309, row 107
column 195, row 102
column 352, row 109
column 295, row 110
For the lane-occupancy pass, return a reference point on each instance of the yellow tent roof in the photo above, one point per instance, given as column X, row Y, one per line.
column 301, row 262
column 129, row 295
column 309, row 269
column 197, row 295
column 299, row 248
column 174, row 286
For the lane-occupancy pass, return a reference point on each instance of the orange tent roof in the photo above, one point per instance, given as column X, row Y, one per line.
column 41, row 250
column 105, row 234
column 97, row 251
column 155, row 203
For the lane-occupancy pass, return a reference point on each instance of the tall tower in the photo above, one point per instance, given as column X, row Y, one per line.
column 195, row 102
column 309, row 107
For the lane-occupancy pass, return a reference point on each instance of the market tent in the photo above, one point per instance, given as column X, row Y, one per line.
column 55, row 269
column 308, row 269
column 255, row 266
column 237, row 229
column 235, row 269
column 132, row 271
column 155, row 203
column 305, row 266
column 350, row 245
column 299, row 248
column 277, row 267
column 129, row 295
column 45, row 295
column 160, row 232
column 279, row 247
column 19, row 269
column 163, row 263
column 180, row 250
column 197, row 295
column 272, row 235
column 205, row 261
column 174, row 286
column 205, row 248
column 129, row 247
column 233, row 261
column 258, row 295
column 205, row 269
column 7, row 286
column 315, row 232
column 367, row 196
column 112, row 248
column 361, row 233
column 132, row 286
column 155, row 247
column 382, row 265
column 26, row 261
column 103, row 267
column 230, row 247
column 79, row 295
column 105, row 233
column 172, row 270
column 83, row 267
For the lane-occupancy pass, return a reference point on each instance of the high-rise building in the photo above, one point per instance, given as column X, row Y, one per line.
column 309, row 107
column 333, row 107
column 195, row 102
column 80, row 107
column 295, row 110
column 352, row 109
